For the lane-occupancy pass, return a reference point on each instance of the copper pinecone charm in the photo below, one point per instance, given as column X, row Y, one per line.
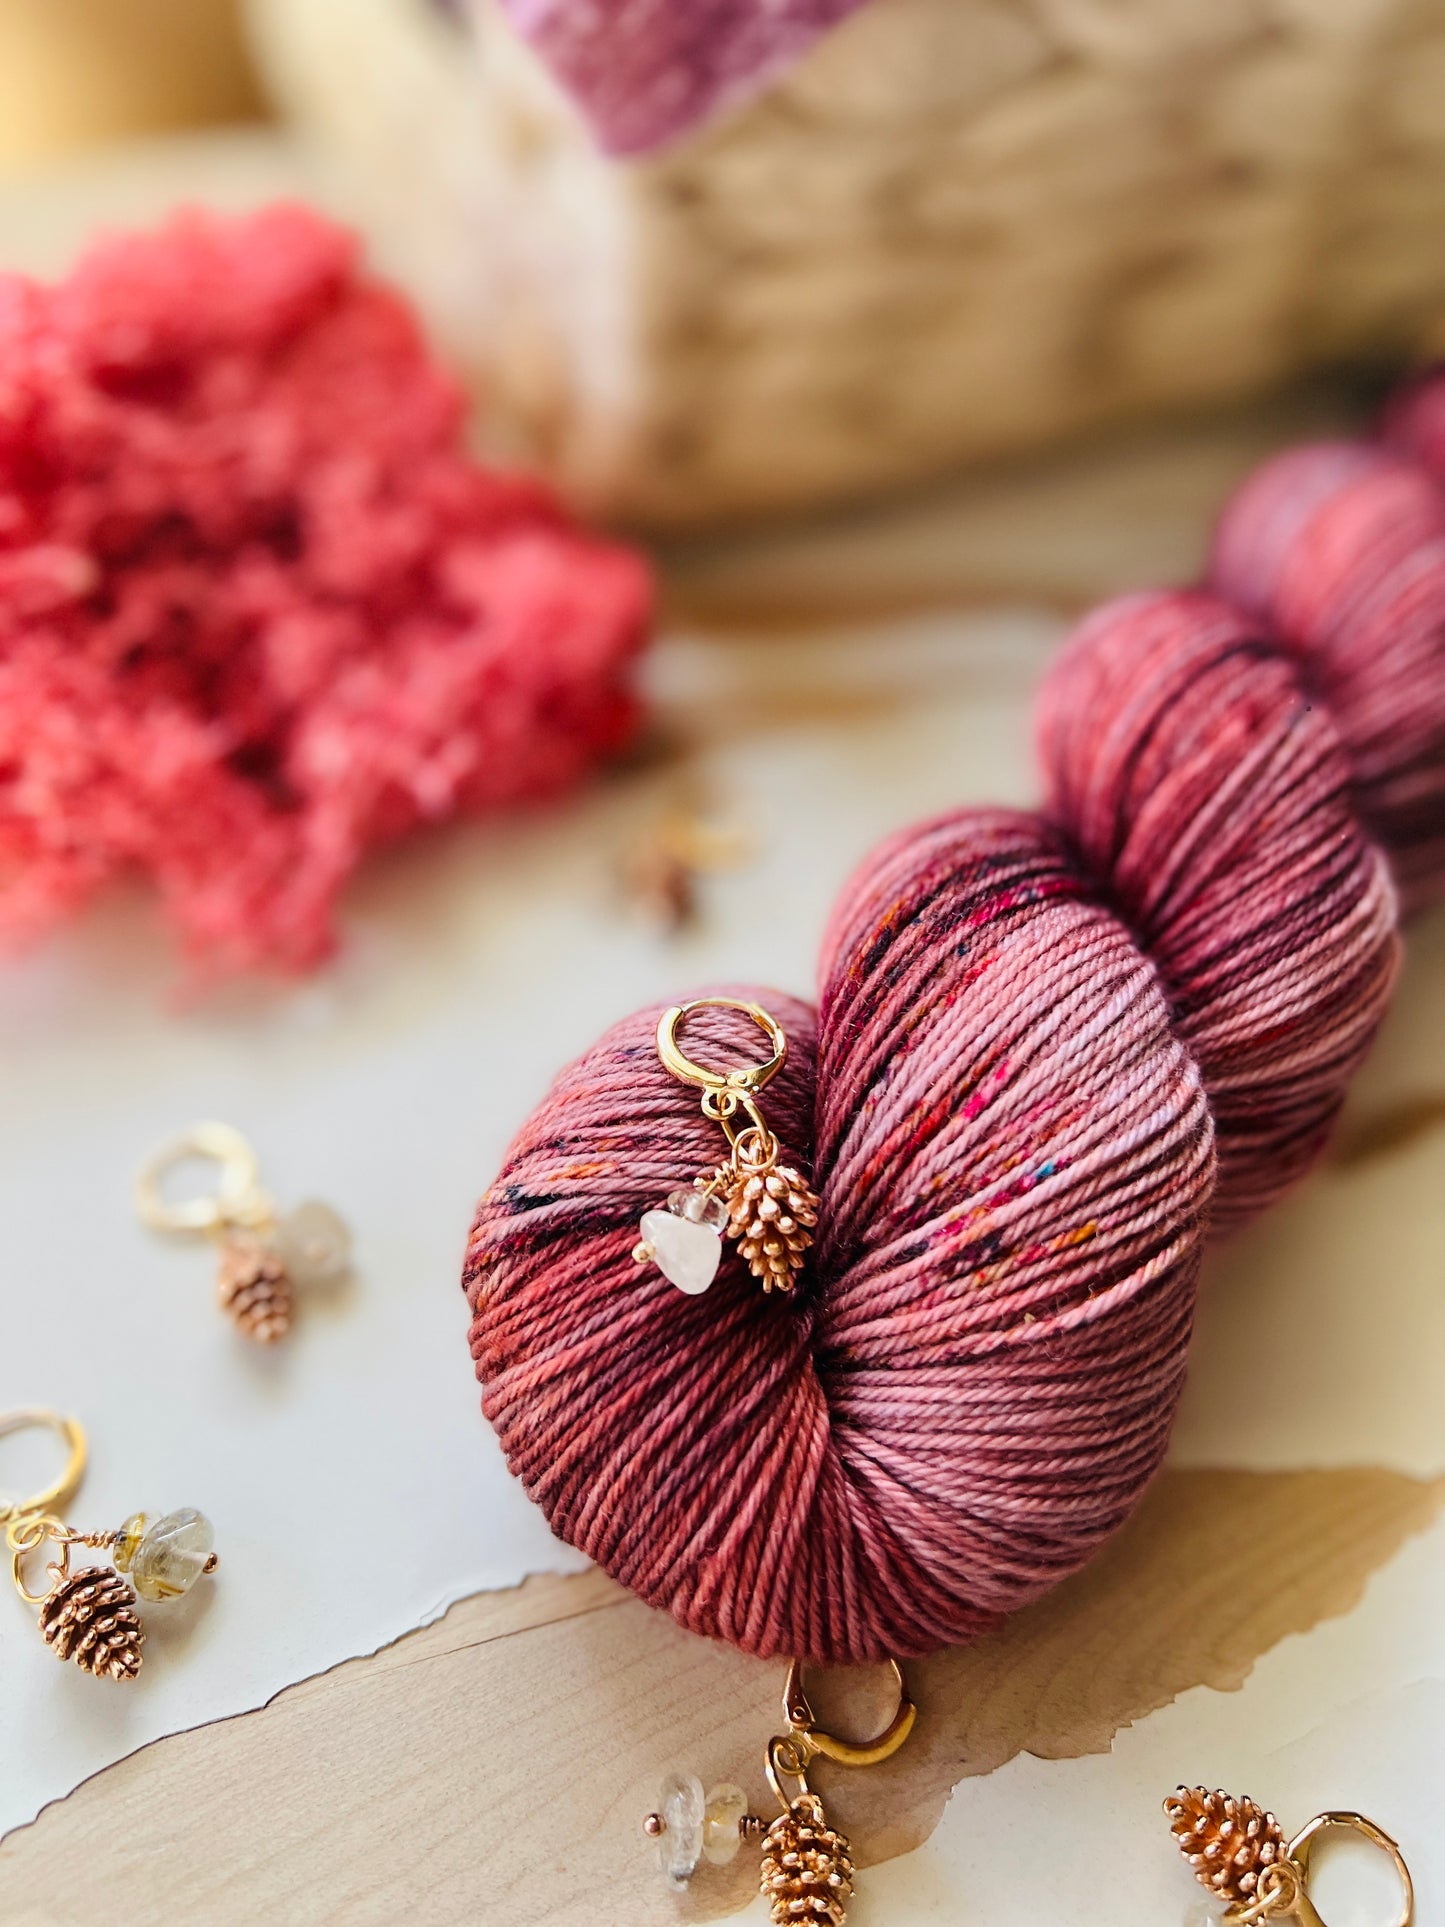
column 807, row 1872
column 1229, row 1843
column 89, row 1616
column 771, row 1213
column 254, row 1288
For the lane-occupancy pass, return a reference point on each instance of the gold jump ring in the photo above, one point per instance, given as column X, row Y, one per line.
column 24, row 1536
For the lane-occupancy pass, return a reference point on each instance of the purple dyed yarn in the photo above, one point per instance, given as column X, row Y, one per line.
column 644, row 71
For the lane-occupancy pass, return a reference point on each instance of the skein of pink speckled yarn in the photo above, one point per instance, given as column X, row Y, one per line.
column 1050, row 1054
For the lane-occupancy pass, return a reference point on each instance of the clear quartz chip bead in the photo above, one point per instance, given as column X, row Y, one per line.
column 314, row 1244
column 683, row 1238
column 721, row 1821
column 697, row 1209
column 680, row 1842
column 171, row 1554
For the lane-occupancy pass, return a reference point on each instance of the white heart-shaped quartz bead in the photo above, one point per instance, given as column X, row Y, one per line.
column 686, row 1253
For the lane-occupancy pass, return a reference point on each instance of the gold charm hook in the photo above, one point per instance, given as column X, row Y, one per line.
column 743, row 1077
column 805, row 1859
column 1301, row 1850
column 58, row 1494
column 91, row 1615
column 754, row 1196
column 803, row 1726
column 1238, row 1851
column 237, row 1200
column 790, row 1754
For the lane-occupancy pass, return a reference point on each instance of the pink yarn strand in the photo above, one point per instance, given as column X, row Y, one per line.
column 1051, row 1054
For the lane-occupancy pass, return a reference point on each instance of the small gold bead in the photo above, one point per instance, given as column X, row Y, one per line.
column 654, row 1826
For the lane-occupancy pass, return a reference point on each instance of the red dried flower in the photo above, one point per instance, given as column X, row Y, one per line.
column 259, row 611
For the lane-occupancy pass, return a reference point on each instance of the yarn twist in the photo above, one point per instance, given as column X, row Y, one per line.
column 1051, row 1053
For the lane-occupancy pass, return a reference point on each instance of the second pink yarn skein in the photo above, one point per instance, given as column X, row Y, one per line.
column 1051, row 1053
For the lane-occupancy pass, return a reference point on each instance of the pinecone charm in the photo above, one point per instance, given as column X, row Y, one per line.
column 253, row 1287
column 807, row 1874
column 90, row 1616
column 1229, row 1843
column 771, row 1213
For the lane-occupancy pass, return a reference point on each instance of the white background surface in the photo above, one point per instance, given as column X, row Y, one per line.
column 354, row 1487
column 1352, row 1715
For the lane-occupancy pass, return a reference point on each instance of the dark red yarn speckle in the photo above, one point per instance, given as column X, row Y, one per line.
column 259, row 611
column 1051, row 1055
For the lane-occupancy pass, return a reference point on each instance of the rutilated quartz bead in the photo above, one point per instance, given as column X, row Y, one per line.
column 721, row 1823
column 172, row 1554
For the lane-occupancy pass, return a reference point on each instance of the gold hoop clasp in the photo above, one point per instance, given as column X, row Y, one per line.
column 790, row 1754
column 237, row 1200
column 1283, row 1890
column 1301, row 1848
column 748, row 1078
column 58, row 1494
column 1238, row 1850
column 801, row 1723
